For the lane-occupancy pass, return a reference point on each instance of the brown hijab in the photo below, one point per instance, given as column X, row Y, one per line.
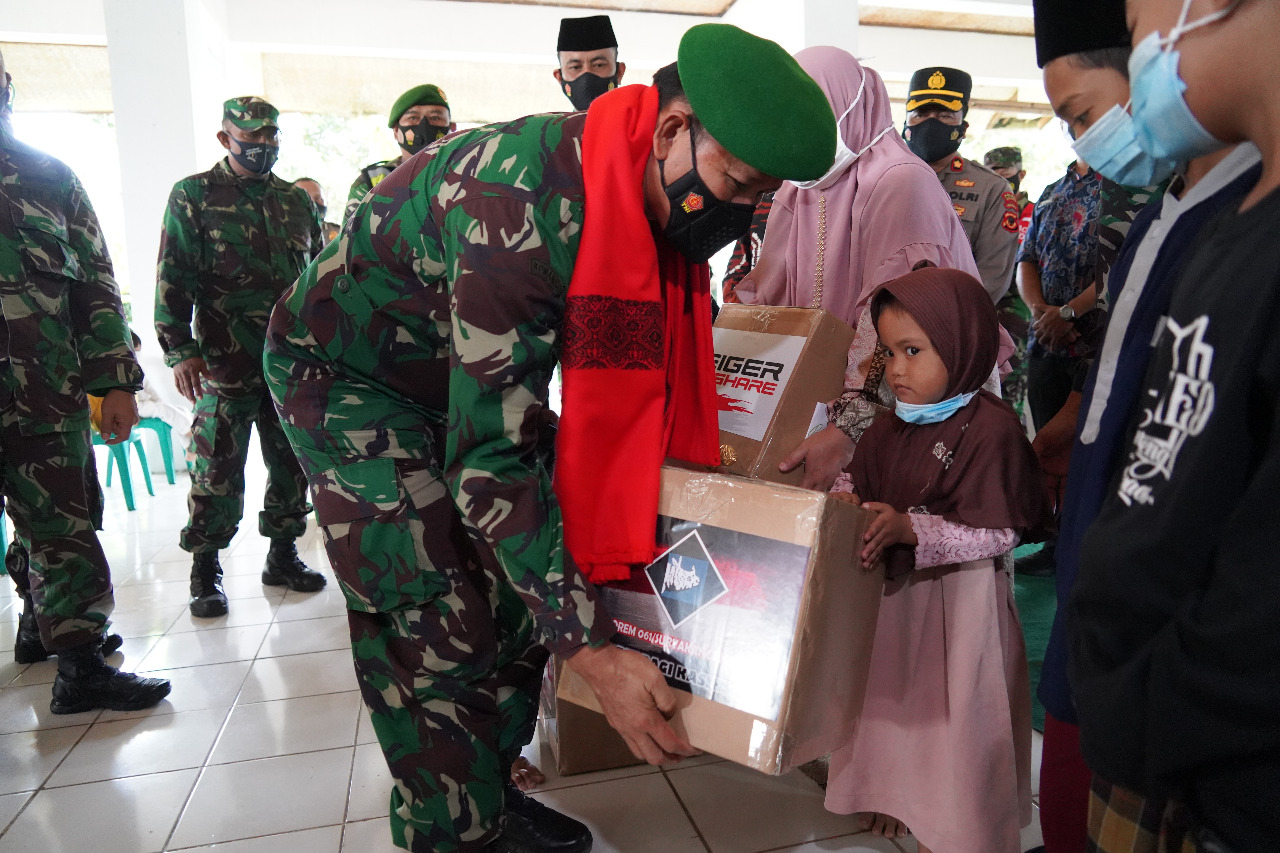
column 976, row 468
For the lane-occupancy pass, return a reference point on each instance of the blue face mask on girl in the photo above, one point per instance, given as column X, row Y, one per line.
column 1164, row 124
column 1111, row 147
column 932, row 413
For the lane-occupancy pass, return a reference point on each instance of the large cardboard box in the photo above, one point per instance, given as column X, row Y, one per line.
column 774, row 368
column 581, row 740
column 757, row 613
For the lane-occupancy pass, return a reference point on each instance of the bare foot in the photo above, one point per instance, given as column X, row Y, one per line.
column 882, row 825
column 526, row 775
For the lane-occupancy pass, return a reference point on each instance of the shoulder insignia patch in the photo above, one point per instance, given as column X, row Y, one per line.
column 374, row 180
column 957, row 164
column 959, row 209
column 1009, row 221
column 1010, row 201
column 964, row 182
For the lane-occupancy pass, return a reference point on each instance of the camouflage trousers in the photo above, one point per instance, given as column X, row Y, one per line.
column 444, row 648
column 216, row 458
column 1015, row 317
column 51, row 492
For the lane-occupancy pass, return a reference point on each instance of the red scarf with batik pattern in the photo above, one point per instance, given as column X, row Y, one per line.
column 636, row 359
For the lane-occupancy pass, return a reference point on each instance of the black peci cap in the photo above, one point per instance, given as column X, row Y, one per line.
column 1064, row 27
column 590, row 33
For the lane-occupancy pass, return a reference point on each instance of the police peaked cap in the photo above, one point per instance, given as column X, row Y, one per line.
column 948, row 87
column 590, row 33
column 757, row 102
column 1064, row 27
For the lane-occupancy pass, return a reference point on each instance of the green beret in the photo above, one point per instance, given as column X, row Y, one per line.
column 757, row 102
column 426, row 94
column 249, row 112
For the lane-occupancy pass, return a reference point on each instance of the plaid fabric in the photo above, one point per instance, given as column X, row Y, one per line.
column 1121, row 821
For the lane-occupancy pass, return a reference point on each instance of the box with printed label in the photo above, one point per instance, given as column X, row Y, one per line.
column 776, row 368
column 756, row 612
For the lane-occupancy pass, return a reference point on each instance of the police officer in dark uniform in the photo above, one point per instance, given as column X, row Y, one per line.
column 418, row 117
column 937, row 102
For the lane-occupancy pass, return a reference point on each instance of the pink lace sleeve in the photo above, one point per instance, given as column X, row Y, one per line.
column 943, row 542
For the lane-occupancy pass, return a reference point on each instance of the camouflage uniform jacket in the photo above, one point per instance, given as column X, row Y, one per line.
column 230, row 246
column 438, row 312
column 63, row 333
column 370, row 177
column 989, row 214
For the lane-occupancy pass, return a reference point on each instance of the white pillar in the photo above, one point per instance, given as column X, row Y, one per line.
column 167, row 65
column 833, row 22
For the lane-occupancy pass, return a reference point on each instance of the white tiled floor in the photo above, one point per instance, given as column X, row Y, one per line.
column 263, row 745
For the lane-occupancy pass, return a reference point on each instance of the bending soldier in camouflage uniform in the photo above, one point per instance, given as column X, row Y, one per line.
column 418, row 117
column 411, row 365
column 63, row 335
column 234, row 239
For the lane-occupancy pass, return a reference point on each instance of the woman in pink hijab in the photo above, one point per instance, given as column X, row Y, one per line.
column 879, row 213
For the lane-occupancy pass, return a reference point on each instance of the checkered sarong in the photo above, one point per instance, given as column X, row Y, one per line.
column 1121, row 821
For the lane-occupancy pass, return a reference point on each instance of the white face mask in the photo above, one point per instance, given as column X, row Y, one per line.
column 844, row 156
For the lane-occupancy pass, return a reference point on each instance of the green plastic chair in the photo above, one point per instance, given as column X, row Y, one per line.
column 120, row 454
column 164, row 433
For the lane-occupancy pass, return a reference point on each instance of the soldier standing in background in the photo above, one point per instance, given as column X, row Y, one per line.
column 418, row 118
column 312, row 188
column 587, row 55
column 62, row 335
column 1014, row 314
column 234, row 239
column 937, row 102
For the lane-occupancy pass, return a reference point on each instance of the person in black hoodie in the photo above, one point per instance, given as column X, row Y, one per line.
column 1175, row 649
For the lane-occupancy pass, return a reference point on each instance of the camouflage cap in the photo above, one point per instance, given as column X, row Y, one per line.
column 1010, row 156
column 249, row 112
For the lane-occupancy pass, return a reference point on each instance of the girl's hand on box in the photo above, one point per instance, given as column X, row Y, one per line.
column 889, row 527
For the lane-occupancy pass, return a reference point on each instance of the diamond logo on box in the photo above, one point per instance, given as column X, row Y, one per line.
column 685, row 579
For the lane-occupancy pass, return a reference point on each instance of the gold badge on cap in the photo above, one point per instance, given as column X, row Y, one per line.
column 937, row 81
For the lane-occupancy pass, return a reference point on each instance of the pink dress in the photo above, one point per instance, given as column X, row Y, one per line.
column 944, row 740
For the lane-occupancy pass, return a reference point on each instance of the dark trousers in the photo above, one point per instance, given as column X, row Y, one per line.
column 1049, row 382
column 50, row 486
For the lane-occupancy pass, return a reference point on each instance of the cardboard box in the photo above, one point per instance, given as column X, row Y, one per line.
column 581, row 740
column 774, row 367
column 757, row 613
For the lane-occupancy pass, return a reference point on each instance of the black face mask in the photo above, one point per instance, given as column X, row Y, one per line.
column 587, row 87
column 1015, row 182
column 420, row 135
column 933, row 139
column 322, row 210
column 257, row 158
column 701, row 224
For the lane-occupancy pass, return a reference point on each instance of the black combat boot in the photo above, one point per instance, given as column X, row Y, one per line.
column 85, row 683
column 207, row 598
column 530, row 827
column 284, row 568
column 29, row 648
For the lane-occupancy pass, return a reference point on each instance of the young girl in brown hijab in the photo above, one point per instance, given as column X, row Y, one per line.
column 943, row 744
